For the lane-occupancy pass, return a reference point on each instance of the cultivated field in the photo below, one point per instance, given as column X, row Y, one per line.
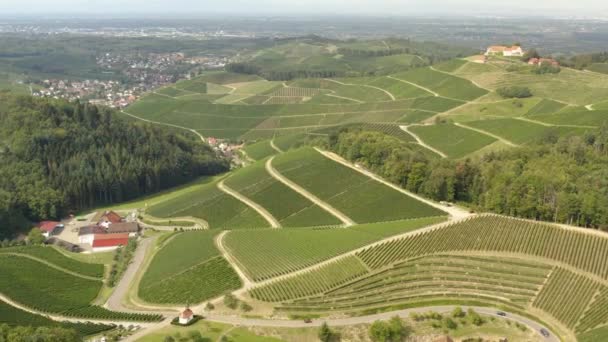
column 187, row 269
column 454, row 141
column 515, row 264
column 359, row 197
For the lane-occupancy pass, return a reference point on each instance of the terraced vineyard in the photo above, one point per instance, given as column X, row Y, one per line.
column 264, row 254
column 260, row 150
column 51, row 255
column 454, row 141
column 47, row 289
column 375, row 202
column 510, row 263
column 187, row 269
column 289, row 207
column 209, row 203
column 443, row 84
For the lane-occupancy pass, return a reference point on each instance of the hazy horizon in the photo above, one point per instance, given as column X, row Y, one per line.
column 524, row 8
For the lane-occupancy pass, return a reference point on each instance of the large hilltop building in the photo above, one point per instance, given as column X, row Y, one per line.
column 499, row 50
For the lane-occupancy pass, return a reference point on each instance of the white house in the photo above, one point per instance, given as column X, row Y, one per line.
column 186, row 316
column 499, row 50
column 49, row 228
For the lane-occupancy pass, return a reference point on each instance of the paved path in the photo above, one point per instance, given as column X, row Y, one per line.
column 275, row 147
column 388, row 93
column 551, row 125
column 274, row 223
column 219, row 243
column 344, row 98
column 487, row 133
column 422, row 143
column 589, row 107
column 347, row 221
column 165, row 124
column 121, row 290
column 51, row 265
column 251, row 322
column 415, row 85
column 455, row 212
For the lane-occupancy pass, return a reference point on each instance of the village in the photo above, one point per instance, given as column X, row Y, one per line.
column 532, row 57
column 129, row 77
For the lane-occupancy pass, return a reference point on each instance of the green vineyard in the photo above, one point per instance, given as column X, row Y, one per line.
column 51, row 255
column 486, row 260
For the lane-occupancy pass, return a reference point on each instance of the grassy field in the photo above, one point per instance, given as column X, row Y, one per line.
column 206, row 201
column 267, row 253
column 187, row 269
column 289, row 207
column 454, row 141
column 359, row 197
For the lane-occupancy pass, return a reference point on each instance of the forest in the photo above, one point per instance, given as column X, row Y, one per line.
column 58, row 157
column 557, row 179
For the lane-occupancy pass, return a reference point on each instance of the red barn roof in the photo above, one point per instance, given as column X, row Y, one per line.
column 48, row 226
column 111, row 216
column 110, row 242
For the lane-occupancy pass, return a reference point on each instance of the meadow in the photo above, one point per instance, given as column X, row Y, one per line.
column 340, row 185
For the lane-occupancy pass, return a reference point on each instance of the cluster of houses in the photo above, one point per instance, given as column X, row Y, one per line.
column 543, row 61
column 110, row 232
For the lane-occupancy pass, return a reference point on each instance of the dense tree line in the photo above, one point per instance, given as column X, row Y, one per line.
column 57, row 156
column 584, row 60
column 40, row 334
column 556, row 179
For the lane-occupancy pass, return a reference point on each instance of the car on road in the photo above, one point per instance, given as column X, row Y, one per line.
column 544, row 332
column 307, row 320
column 500, row 313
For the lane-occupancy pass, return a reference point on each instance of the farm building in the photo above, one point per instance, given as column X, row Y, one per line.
column 131, row 228
column 108, row 218
column 541, row 61
column 108, row 242
column 186, row 316
column 87, row 234
column 499, row 50
column 49, row 228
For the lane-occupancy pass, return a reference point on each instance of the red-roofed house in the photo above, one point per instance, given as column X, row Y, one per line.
column 186, row 316
column 108, row 218
column 107, row 242
column 499, row 50
column 49, row 227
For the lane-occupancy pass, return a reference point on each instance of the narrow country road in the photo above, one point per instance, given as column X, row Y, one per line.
column 251, row 322
column 487, row 133
column 551, row 125
column 388, row 93
column 422, row 143
column 589, row 107
column 274, row 223
column 347, row 221
column 165, row 124
column 115, row 302
column 415, row 85
column 275, row 147
column 455, row 212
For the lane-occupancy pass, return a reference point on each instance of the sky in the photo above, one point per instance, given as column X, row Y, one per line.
column 592, row 8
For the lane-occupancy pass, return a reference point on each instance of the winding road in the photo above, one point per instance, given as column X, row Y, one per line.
column 415, row 85
column 165, row 124
column 422, row 143
column 274, row 223
column 347, row 221
column 486, row 133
